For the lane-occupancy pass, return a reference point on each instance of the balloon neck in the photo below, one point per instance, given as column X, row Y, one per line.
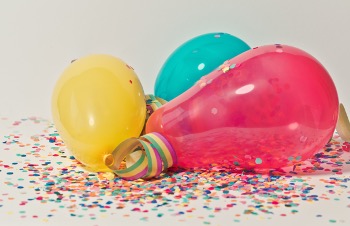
column 145, row 158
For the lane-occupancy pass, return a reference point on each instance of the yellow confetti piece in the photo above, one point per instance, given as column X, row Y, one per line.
column 109, row 175
column 225, row 69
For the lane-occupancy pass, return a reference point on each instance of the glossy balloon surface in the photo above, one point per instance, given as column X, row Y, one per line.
column 194, row 59
column 97, row 103
column 269, row 107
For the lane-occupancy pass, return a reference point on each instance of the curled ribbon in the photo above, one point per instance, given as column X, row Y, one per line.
column 146, row 157
column 153, row 103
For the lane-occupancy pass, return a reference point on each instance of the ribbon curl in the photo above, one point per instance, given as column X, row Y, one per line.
column 146, row 157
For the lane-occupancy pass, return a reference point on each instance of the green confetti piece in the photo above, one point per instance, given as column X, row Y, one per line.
column 53, row 134
column 258, row 161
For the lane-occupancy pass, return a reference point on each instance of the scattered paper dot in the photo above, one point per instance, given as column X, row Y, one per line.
column 258, row 161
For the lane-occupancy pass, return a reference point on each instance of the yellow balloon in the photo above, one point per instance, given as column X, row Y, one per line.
column 97, row 103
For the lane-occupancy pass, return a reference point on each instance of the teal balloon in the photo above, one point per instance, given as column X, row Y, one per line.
column 193, row 59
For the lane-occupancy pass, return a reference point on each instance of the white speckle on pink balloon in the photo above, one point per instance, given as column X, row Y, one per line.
column 293, row 126
column 303, row 139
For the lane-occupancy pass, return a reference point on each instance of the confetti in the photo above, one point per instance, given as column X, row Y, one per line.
column 41, row 181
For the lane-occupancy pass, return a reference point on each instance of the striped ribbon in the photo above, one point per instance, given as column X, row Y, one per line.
column 153, row 103
column 146, row 157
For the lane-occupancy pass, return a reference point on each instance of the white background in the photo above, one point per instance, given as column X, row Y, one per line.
column 39, row 38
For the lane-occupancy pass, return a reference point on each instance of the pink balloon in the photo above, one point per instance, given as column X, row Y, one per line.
column 269, row 107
